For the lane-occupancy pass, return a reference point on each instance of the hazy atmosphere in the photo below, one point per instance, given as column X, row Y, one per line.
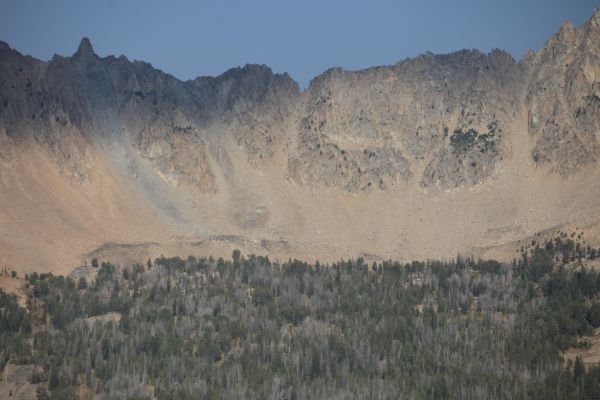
column 184, row 216
column 304, row 38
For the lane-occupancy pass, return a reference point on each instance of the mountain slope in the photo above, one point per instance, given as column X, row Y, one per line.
column 426, row 158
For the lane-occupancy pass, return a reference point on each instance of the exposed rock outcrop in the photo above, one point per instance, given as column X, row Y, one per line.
column 372, row 128
column 563, row 98
column 439, row 120
column 427, row 157
column 69, row 103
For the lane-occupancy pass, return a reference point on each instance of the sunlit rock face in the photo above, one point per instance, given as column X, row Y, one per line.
column 425, row 158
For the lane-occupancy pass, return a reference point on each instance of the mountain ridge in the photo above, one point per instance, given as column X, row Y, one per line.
column 403, row 151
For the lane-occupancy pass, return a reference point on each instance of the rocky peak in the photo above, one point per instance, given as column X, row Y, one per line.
column 591, row 30
column 252, row 84
column 252, row 77
column 443, row 117
column 563, row 114
column 501, row 56
column 566, row 32
column 528, row 59
column 325, row 79
column 595, row 20
column 249, row 80
column 7, row 52
column 85, row 51
column 4, row 46
column 253, row 70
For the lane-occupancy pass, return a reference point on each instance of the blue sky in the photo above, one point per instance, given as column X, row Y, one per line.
column 302, row 37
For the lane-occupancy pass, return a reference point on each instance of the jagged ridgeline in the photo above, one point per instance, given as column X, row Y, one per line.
column 250, row 328
column 463, row 146
column 353, row 130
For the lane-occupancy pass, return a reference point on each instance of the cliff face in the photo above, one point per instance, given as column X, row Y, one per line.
column 69, row 103
column 438, row 120
column 245, row 153
column 563, row 98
